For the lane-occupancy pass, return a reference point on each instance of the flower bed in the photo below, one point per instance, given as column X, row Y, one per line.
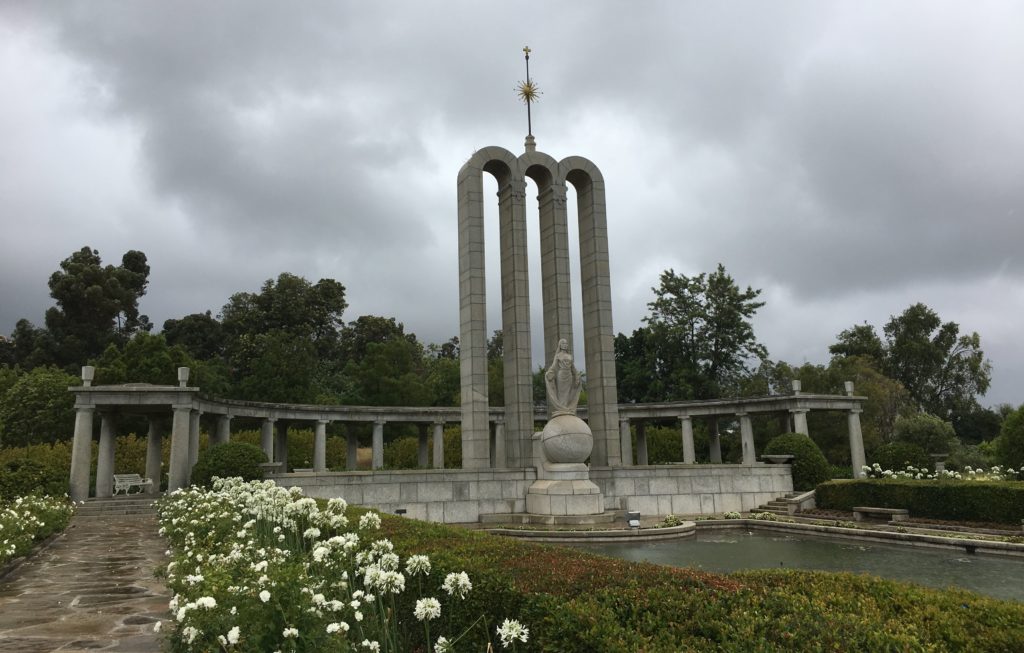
column 260, row 568
column 571, row 600
column 26, row 521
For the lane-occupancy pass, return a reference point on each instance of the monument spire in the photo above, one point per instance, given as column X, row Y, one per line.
column 529, row 94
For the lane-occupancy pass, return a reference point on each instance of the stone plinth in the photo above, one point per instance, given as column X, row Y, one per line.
column 563, row 486
column 564, row 497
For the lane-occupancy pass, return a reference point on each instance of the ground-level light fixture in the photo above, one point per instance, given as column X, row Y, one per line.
column 633, row 518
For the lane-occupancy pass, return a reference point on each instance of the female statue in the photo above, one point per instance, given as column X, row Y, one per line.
column 563, row 382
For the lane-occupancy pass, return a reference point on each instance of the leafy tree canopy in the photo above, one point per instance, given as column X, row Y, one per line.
column 943, row 371
column 38, row 408
column 699, row 341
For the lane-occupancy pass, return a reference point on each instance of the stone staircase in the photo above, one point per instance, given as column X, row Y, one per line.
column 778, row 505
column 132, row 506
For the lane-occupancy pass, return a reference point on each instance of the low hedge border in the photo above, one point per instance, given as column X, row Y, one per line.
column 575, row 601
column 980, row 501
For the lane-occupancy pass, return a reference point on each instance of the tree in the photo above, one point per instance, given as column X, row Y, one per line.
column 700, row 340
column 929, row 432
column 38, row 408
column 943, row 371
column 1010, row 443
column 390, row 374
column 200, row 334
column 96, row 305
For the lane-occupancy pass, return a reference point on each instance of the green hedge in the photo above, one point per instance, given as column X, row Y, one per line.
column 576, row 601
column 983, row 501
column 809, row 464
column 229, row 459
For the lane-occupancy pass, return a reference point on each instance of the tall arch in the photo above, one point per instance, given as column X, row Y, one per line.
column 515, row 309
column 595, row 282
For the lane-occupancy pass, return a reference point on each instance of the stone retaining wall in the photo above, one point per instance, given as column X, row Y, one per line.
column 457, row 496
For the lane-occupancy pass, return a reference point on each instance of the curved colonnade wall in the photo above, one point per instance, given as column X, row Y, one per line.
column 446, row 494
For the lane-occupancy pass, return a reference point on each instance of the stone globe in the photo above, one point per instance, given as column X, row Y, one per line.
column 567, row 439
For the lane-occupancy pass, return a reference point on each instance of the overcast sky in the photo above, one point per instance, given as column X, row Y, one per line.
column 848, row 158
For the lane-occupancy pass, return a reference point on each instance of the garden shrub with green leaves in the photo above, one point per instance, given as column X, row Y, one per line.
column 809, row 464
column 24, row 476
column 231, row 459
column 28, row 520
column 958, row 500
column 897, row 455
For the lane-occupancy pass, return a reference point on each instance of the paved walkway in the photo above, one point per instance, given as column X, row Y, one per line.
column 93, row 589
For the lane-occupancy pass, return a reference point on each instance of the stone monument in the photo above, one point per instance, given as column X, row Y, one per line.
column 563, row 485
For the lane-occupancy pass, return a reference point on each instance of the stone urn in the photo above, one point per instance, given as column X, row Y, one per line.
column 567, row 439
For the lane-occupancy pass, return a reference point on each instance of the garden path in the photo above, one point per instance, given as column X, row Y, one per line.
column 92, row 589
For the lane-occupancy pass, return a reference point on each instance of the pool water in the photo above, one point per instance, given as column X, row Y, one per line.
column 734, row 550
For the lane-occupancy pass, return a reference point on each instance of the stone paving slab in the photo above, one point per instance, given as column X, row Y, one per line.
column 91, row 590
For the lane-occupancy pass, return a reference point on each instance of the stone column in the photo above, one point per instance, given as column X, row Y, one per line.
column 747, row 439
column 689, row 454
column 556, row 290
column 105, row 459
column 641, row 443
column 352, row 450
column 281, row 446
column 320, row 446
column 515, row 324
column 714, row 442
column 500, row 460
column 799, row 420
column 377, row 460
column 473, row 304
column 626, row 442
column 81, row 453
column 857, row 458
column 193, row 441
column 598, row 334
column 438, row 445
column 267, row 437
column 179, row 469
column 223, row 435
column 422, row 449
column 154, row 442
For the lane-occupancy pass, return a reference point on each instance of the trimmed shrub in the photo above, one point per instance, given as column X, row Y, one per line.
column 22, row 477
column 574, row 601
column 931, row 433
column 809, row 465
column 983, row 501
column 1010, row 443
column 898, row 455
column 226, row 460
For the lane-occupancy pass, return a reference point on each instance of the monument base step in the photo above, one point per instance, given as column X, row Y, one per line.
column 522, row 518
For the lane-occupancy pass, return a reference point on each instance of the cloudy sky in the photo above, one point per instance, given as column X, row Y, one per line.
column 848, row 158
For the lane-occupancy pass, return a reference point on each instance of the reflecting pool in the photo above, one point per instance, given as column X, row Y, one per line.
column 734, row 550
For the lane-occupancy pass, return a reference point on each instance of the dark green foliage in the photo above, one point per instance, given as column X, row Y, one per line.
column 664, row 445
column 1010, row 443
column 809, row 465
column 575, row 601
column 929, row 432
column 38, row 408
column 227, row 460
column 980, row 501
column 199, row 334
column 21, row 477
column 978, row 425
column 698, row 342
column 96, row 305
column 898, row 455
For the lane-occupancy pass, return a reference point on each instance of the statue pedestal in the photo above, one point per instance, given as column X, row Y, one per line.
column 563, row 485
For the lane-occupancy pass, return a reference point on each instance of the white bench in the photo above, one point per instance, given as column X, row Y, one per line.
column 127, row 481
column 895, row 514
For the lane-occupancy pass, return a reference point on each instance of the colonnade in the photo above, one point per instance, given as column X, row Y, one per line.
column 187, row 408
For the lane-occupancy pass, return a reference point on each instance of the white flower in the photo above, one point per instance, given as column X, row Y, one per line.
column 511, row 631
column 457, row 584
column 339, row 626
column 311, row 533
column 157, row 626
column 372, row 646
column 190, row 633
column 427, row 609
column 233, row 635
column 370, row 520
column 417, row 564
column 290, row 632
column 207, row 602
column 264, row 596
column 443, row 645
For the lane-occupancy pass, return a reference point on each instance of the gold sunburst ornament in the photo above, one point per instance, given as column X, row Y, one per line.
column 528, row 93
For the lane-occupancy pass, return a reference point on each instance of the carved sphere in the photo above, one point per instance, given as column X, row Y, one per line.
column 567, row 439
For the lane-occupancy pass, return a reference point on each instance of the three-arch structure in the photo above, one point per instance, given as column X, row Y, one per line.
column 513, row 446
